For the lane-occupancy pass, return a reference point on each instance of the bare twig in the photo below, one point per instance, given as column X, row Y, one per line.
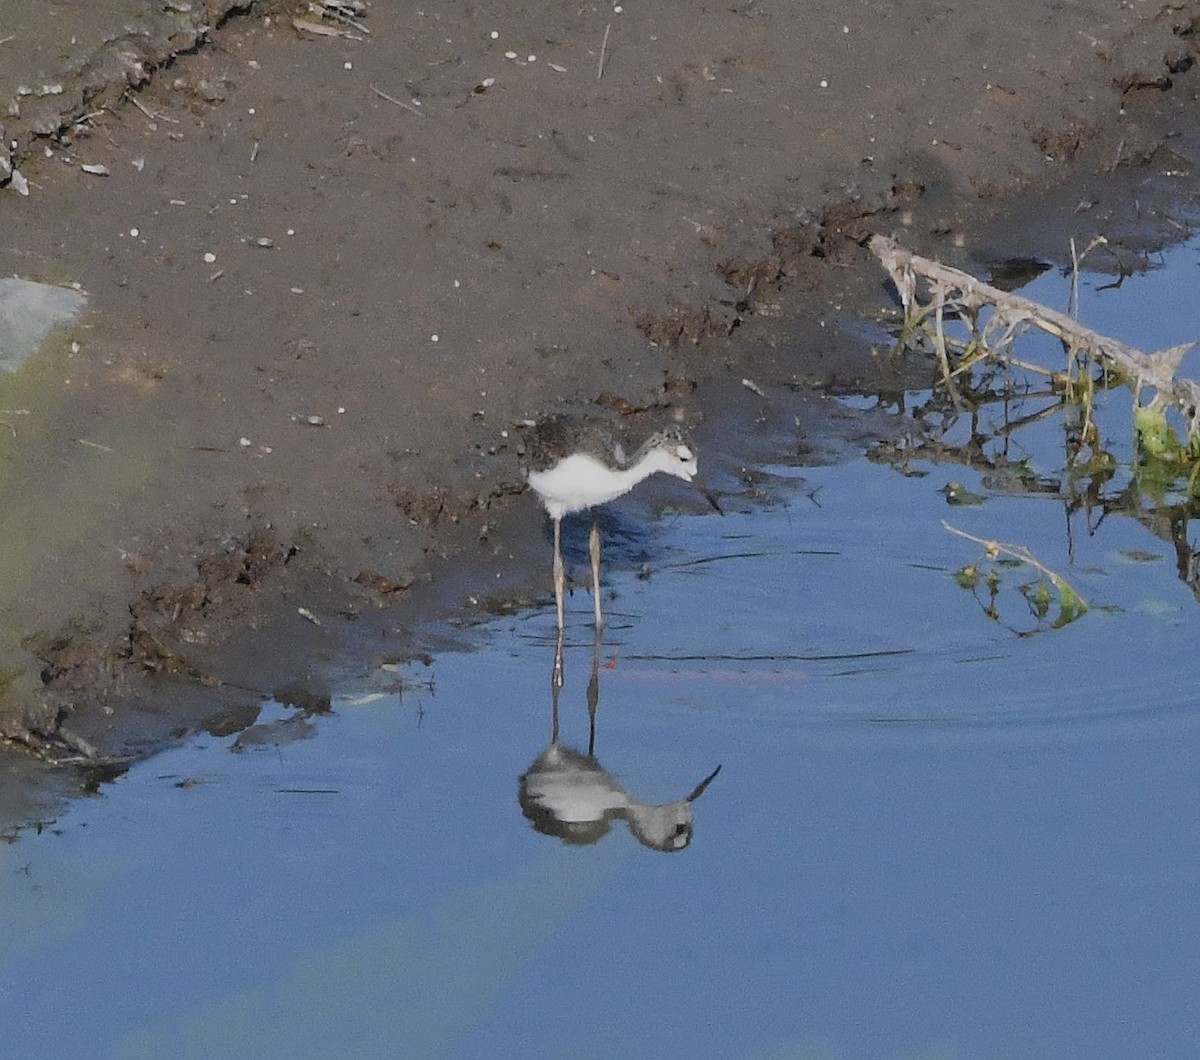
column 399, row 102
column 995, row 549
column 1073, row 293
column 1076, row 261
column 333, row 12
column 147, row 112
column 1154, row 371
column 603, row 52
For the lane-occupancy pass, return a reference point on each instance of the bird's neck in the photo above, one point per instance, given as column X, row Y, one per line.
column 631, row 476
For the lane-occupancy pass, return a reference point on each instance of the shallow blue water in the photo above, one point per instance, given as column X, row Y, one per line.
column 930, row 837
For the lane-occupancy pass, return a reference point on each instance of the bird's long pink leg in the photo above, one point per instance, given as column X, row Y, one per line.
column 594, row 549
column 558, row 572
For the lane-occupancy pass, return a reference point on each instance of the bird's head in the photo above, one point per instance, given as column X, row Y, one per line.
column 673, row 453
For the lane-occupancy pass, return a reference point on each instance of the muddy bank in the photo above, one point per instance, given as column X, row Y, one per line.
column 328, row 274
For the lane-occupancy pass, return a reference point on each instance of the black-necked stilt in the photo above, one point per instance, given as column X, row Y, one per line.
column 576, row 465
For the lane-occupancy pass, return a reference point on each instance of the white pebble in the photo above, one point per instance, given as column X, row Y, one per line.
column 510, row 55
column 347, row 66
column 291, row 231
column 494, row 35
column 433, row 337
column 532, row 59
column 824, row 83
column 209, row 257
column 135, row 232
column 244, row 442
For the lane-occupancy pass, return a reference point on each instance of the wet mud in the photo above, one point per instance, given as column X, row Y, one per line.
column 330, row 272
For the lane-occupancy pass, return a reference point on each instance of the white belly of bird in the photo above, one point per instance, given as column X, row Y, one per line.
column 576, row 483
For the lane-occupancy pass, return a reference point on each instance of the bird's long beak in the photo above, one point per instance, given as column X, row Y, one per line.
column 708, row 495
column 702, row 785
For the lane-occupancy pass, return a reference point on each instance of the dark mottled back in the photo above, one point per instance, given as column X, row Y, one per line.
column 556, row 437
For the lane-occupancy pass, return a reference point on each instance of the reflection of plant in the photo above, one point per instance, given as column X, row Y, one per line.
column 1039, row 595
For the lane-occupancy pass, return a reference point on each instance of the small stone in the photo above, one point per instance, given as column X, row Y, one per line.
column 211, row 91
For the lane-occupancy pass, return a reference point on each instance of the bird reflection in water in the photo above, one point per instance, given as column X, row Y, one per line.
column 568, row 794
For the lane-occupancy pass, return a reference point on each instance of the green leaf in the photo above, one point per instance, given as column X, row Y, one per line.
column 1155, row 434
column 967, row 577
column 957, row 494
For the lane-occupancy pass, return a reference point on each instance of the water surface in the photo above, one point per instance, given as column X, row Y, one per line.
column 930, row 837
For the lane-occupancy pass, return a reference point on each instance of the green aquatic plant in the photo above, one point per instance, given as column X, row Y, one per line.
column 996, row 568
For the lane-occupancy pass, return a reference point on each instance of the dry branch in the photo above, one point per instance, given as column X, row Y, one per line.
column 994, row 549
column 948, row 287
